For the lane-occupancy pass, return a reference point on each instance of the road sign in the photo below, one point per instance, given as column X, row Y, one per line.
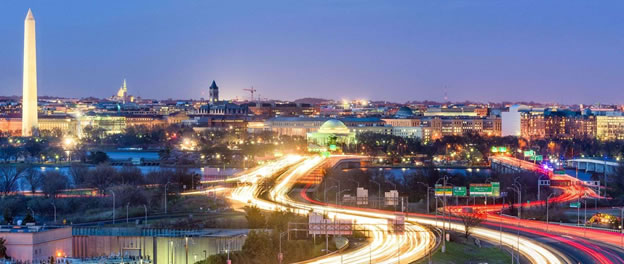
column 441, row 190
column 480, row 189
column 537, row 158
column 529, row 153
column 575, row 205
column 560, row 183
column 495, row 189
column 498, row 149
column 459, row 191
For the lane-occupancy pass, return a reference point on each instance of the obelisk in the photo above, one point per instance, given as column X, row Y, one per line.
column 29, row 96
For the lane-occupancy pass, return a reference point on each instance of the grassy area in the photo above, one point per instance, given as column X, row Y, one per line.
column 465, row 253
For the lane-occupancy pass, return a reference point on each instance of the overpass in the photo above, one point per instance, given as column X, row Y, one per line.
column 593, row 165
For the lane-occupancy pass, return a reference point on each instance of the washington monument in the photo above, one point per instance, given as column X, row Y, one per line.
column 29, row 96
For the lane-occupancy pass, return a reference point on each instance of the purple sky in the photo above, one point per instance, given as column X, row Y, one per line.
column 563, row 51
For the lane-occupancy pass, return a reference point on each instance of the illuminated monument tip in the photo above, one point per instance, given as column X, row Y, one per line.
column 30, row 16
column 29, row 95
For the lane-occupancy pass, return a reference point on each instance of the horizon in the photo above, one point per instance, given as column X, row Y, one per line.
column 407, row 52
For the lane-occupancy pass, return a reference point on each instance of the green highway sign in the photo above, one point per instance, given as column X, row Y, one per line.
column 537, row 158
column 495, row 189
column 498, row 149
column 441, row 190
column 485, row 189
column 459, row 191
column 575, row 205
column 529, row 153
column 480, row 189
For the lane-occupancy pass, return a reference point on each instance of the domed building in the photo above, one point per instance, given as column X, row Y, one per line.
column 404, row 112
column 330, row 135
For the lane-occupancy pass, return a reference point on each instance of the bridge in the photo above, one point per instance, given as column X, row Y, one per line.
column 593, row 165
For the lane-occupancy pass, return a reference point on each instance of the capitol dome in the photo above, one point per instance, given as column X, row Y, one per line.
column 404, row 112
column 334, row 126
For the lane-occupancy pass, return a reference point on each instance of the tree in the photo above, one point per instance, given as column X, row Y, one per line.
column 98, row 157
column 29, row 218
column 470, row 221
column 53, row 182
column 33, row 178
column 255, row 218
column 79, row 174
column 3, row 249
column 9, row 176
column 100, row 177
column 7, row 215
column 129, row 175
column 258, row 246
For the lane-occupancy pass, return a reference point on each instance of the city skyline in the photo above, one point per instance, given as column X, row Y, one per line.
column 416, row 51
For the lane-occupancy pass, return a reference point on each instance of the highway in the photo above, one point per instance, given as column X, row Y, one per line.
column 567, row 247
column 412, row 245
column 384, row 247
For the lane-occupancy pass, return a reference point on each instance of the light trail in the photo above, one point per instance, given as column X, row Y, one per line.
column 533, row 251
column 412, row 245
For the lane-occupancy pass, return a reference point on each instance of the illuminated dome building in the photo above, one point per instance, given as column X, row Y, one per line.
column 404, row 112
column 330, row 135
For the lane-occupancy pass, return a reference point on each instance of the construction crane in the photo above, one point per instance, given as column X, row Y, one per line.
column 251, row 91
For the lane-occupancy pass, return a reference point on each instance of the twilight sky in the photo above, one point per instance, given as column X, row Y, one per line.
column 564, row 51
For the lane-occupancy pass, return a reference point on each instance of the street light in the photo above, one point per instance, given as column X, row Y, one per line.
column 113, row 206
column 325, row 192
column 53, row 205
column 338, row 195
column 428, row 210
column 378, row 193
column 166, row 196
column 145, row 207
column 548, row 198
column 621, row 225
column 336, row 181
column 444, row 178
column 280, row 257
column 395, row 188
column 356, row 182
column 517, row 190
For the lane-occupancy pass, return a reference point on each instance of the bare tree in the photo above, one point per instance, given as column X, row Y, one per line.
column 53, row 183
column 33, row 178
column 78, row 174
column 9, row 176
column 470, row 221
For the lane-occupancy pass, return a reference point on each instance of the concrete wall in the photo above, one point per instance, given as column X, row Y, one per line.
column 159, row 249
column 38, row 246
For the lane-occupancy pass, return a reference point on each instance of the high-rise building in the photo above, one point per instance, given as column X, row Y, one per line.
column 29, row 96
column 214, row 92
